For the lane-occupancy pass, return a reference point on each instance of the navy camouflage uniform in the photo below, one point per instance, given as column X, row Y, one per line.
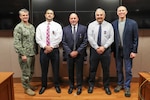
column 24, row 43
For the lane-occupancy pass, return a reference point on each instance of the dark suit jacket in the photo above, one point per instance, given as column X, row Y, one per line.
column 130, row 38
column 81, row 40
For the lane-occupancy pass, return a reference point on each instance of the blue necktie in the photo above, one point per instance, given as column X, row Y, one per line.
column 99, row 36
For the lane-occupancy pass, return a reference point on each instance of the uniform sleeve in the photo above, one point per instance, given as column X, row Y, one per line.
column 18, row 41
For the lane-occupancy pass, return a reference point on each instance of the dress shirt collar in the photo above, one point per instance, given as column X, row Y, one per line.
column 100, row 23
column 48, row 22
column 74, row 26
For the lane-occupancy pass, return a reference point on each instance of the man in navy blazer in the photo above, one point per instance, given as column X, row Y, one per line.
column 74, row 45
column 125, row 48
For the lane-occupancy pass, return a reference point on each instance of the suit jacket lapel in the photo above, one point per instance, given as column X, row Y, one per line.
column 118, row 35
column 77, row 33
column 125, row 28
column 70, row 33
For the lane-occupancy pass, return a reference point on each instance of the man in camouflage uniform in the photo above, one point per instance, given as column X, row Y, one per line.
column 25, row 46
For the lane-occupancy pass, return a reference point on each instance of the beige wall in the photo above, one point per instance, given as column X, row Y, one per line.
column 9, row 59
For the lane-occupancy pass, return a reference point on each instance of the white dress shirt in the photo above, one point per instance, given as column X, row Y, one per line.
column 76, row 27
column 55, row 34
column 107, row 34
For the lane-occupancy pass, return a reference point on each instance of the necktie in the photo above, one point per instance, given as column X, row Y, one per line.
column 74, row 37
column 99, row 36
column 48, row 35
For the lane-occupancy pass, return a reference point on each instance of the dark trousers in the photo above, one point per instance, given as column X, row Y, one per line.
column 119, row 67
column 95, row 58
column 44, row 60
column 77, row 63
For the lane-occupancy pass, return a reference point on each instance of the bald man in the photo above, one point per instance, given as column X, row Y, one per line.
column 100, row 36
column 125, row 48
column 74, row 45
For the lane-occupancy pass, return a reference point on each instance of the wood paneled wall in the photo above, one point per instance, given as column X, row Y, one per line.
column 9, row 59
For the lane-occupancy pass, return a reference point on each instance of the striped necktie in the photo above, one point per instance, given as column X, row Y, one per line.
column 48, row 35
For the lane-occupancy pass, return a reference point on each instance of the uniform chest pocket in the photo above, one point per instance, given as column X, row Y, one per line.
column 105, row 33
column 26, row 33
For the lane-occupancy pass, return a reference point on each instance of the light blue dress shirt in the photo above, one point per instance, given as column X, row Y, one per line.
column 107, row 34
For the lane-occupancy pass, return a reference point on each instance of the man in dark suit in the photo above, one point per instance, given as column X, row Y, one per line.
column 125, row 48
column 74, row 45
